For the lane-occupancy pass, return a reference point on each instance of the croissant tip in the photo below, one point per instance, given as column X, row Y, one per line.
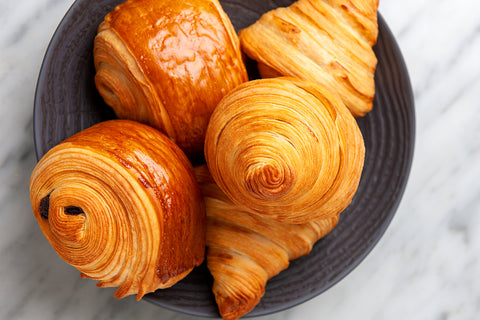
column 239, row 311
column 233, row 308
column 120, row 293
column 140, row 295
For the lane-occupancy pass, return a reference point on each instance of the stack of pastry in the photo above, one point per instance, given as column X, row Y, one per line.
column 121, row 200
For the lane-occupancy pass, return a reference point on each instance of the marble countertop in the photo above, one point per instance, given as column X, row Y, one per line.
column 426, row 266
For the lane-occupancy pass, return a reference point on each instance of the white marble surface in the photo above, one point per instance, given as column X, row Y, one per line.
column 427, row 266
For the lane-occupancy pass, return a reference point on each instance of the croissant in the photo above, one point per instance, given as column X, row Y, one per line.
column 326, row 41
column 167, row 64
column 285, row 148
column 111, row 201
column 244, row 249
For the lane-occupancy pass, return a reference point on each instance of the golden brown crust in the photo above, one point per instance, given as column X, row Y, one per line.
column 285, row 148
column 167, row 64
column 111, row 201
column 246, row 249
column 328, row 42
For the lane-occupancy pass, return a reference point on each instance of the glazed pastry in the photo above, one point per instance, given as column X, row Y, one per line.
column 325, row 41
column 167, row 64
column 285, row 148
column 111, row 201
column 244, row 249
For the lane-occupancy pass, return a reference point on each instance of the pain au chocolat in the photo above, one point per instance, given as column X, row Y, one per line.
column 119, row 202
column 325, row 41
column 285, row 148
column 167, row 64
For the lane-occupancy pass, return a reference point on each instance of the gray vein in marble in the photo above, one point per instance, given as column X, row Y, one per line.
column 453, row 62
column 18, row 32
column 465, row 45
column 409, row 24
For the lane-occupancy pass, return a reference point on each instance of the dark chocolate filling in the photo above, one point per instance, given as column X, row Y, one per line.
column 44, row 207
column 73, row 211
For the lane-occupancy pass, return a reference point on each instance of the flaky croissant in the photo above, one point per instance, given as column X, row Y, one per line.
column 244, row 249
column 112, row 202
column 325, row 41
column 167, row 64
column 285, row 148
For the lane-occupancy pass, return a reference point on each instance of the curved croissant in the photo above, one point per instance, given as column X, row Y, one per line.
column 111, row 201
column 285, row 148
column 244, row 249
column 167, row 64
column 325, row 41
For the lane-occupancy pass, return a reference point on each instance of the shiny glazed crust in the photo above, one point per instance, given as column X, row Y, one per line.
column 111, row 201
column 285, row 148
column 244, row 249
column 167, row 64
column 325, row 41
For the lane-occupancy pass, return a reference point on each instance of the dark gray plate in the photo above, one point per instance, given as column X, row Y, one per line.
column 66, row 102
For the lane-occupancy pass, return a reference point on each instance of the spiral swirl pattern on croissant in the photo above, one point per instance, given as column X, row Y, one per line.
column 111, row 201
column 328, row 42
column 167, row 64
column 245, row 250
column 285, row 148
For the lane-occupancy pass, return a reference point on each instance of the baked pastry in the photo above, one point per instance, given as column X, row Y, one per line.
column 245, row 249
column 285, row 148
column 111, row 201
column 326, row 41
column 167, row 64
